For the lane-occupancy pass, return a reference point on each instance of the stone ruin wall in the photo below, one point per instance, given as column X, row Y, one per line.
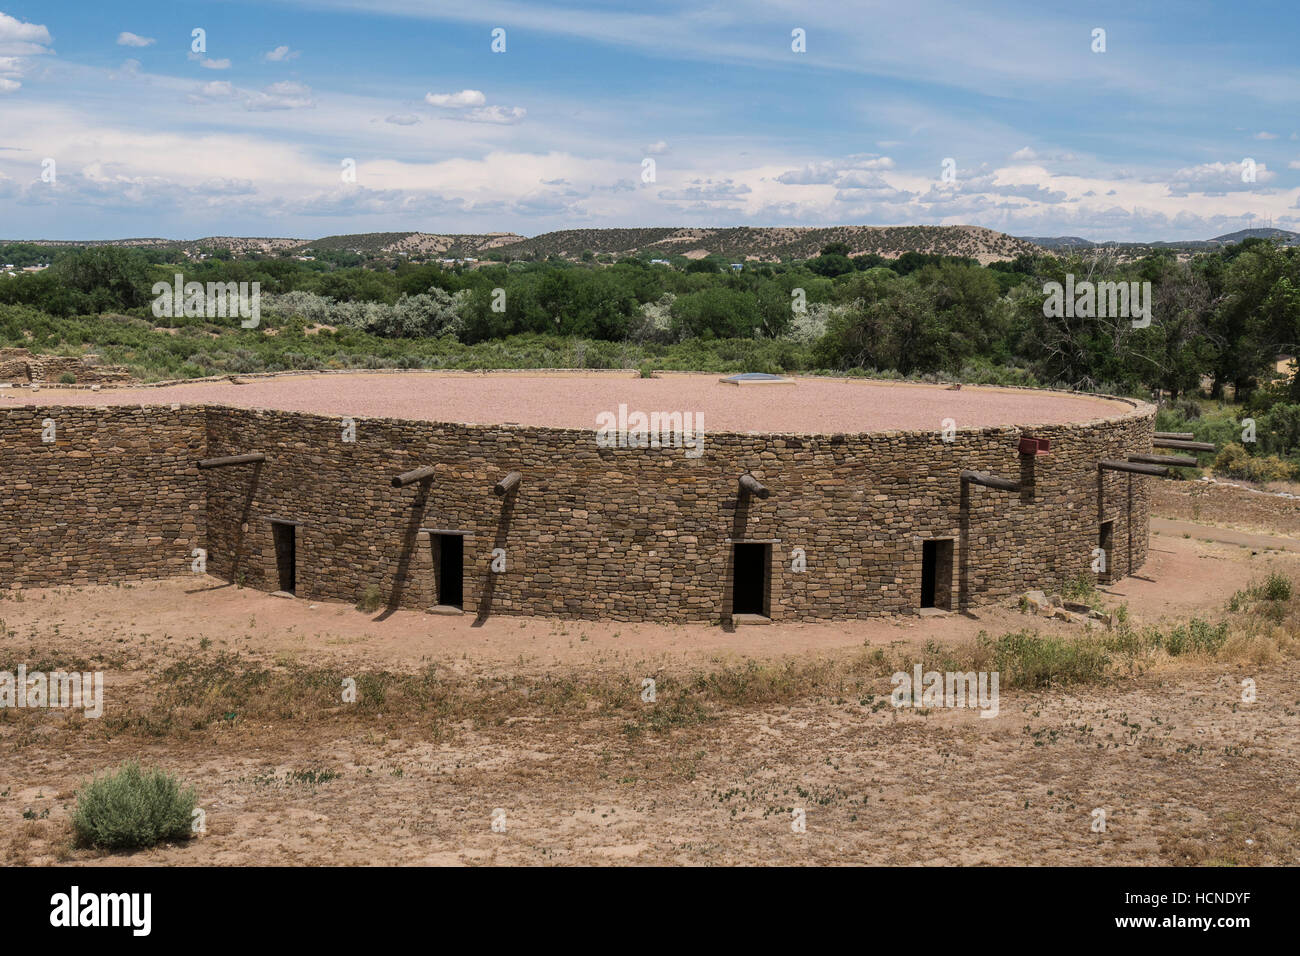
column 618, row 534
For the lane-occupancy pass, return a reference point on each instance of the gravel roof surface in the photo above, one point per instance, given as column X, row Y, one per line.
column 574, row 399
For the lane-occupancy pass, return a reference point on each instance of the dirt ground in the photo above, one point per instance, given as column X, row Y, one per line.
column 575, row 399
column 1229, row 505
column 1185, row 771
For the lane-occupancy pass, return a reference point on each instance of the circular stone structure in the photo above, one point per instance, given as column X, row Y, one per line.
column 582, row 494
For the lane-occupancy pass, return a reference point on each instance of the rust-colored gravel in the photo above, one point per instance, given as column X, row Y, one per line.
column 573, row 400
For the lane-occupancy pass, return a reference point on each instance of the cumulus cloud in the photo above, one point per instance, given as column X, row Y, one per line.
column 456, row 101
column 22, row 39
column 1028, row 155
column 1216, row 179
column 126, row 38
column 18, row 40
column 280, row 54
column 830, row 172
column 707, row 190
column 222, row 64
column 495, row 114
column 471, row 107
column 280, row 96
column 402, row 119
column 657, row 149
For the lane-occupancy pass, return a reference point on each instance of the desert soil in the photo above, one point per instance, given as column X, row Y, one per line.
column 1185, row 772
column 573, row 400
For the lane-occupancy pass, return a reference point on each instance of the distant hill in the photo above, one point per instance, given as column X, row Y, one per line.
column 1059, row 242
column 1056, row 243
column 776, row 243
column 769, row 244
column 1240, row 234
column 412, row 243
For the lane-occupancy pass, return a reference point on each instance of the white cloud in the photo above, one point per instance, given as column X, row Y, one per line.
column 280, row 54
column 217, row 88
column 657, row 149
column 280, row 96
column 503, row 115
column 1029, row 155
column 7, row 85
column 126, row 38
column 472, row 108
column 1215, row 179
column 1264, row 134
column 456, row 101
column 215, row 64
column 707, row 190
column 831, row 172
column 22, row 39
column 402, row 119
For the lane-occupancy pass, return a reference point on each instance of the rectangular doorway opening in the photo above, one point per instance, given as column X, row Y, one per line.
column 286, row 555
column 936, row 574
column 450, row 558
column 1106, row 542
column 751, row 579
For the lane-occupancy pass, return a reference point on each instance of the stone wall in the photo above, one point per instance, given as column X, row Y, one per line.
column 20, row 365
column 115, row 497
column 620, row 534
column 644, row 534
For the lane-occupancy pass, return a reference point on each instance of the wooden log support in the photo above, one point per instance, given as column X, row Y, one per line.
column 1183, row 445
column 989, row 481
column 408, row 477
column 1133, row 468
column 1173, row 461
column 1177, row 436
column 507, row 484
column 751, row 485
column 249, row 459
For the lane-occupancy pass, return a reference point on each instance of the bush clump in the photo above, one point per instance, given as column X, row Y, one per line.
column 1195, row 637
column 1235, row 462
column 370, row 599
column 129, row 808
column 1029, row 659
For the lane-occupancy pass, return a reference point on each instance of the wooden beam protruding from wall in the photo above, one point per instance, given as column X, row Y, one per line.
column 1177, row 436
column 1136, row 469
column 507, row 484
column 1173, row 461
column 751, row 485
column 1183, row 445
column 989, row 481
column 249, row 459
column 410, row 477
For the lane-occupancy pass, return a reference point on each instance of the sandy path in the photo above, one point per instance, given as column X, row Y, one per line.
column 1207, row 532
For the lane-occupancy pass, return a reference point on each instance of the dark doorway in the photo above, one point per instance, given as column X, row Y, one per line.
column 750, row 578
column 450, row 558
column 936, row 574
column 1106, row 542
column 286, row 555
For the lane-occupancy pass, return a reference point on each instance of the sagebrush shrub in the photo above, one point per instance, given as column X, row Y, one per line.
column 130, row 808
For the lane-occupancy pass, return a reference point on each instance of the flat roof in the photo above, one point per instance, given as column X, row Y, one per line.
column 574, row 399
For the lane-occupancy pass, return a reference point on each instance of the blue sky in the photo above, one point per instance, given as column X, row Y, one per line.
column 1146, row 140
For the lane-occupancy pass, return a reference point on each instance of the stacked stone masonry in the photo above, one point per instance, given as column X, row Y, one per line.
column 618, row 534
